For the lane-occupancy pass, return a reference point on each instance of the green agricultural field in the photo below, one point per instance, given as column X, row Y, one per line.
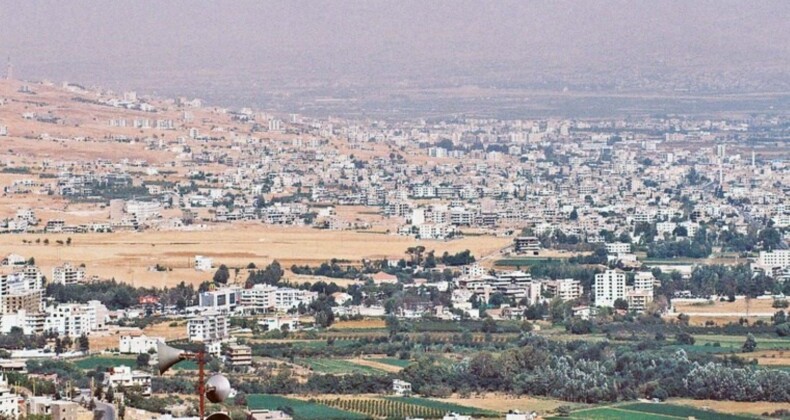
column 302, row 410
column 337, row 367
column 92, row 362
column 648, row 411
column 444, row 406
column 393, row 362
column 734, row 342
column 610, row 413
column 679, row 411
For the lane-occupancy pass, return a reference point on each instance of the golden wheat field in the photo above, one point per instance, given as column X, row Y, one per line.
column 130, row 256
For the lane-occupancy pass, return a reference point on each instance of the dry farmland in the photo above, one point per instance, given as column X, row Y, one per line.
column 735, row 407
column 129, row 256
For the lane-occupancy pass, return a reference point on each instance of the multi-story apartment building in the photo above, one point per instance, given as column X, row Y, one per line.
column 68, row 319
column 68, row 274
column 208, row 327
column 265, row 298
column 224, row 299
column 618, row 248
column 565, row 289
column 609, row 286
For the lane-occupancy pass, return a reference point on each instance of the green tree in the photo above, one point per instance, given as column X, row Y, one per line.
column 84, row 343
column 143, row 359
column 750, row 344
column 621, row 304
column 489, row 325
column 222, row 275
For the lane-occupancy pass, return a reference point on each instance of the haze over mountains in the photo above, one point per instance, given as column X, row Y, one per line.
column 290, row 53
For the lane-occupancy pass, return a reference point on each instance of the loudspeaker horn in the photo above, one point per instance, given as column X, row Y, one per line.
column 168, row 356
column 218, row 416
column 217, row 388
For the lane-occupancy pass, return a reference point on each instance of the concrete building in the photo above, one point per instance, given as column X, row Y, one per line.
column 609, row 286
column 123, row 376
column 9, row 402
column 265, row 298
column 239, row 355
column 565, row 289
column 208, row 327
column 203, row 263
column 224, row 299
column 401, row 388
column 618, row 248
column 128, row 344
column 68, row 274
column 527, row 245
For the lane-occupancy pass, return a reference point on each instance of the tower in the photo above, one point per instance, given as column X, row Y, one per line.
column 9, row 70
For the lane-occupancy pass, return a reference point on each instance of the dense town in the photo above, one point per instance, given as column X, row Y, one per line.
column 633, row 238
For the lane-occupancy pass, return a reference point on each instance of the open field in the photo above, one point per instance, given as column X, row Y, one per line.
column 754, row 306
column 776, row 358
column 127, row 256
column 373, row 323
column 303, row 410
column 93, row 362
column 721, row 313
column 377, row 364
column 502, row 403
column 650, row 411
column 337, row 366
column 735, row 407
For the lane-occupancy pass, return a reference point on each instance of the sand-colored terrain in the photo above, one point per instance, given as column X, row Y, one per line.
column 376, row 365
column 736, row 407
column 504, row 403
column 362, row 323
column 128, row 256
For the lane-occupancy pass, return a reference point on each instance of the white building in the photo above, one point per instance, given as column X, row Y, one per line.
column 128, row 344
column 769, row 260
column 143, row 210
column 473, row 270
column 609, row 286
column 203, row 263
column 123, row 376
column 401, row 388
column 224, row 299
column 618, row 248
column 265, row 298
column 565, row 289
column 9, row 402
column 277, row 323
column 208, row 327
column 644, row 280
column 68, row 319
column 68, row 274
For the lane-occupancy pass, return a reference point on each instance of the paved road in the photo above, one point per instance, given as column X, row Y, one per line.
column 107, row 409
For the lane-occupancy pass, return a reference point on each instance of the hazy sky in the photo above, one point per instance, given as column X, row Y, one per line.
column 168, row 42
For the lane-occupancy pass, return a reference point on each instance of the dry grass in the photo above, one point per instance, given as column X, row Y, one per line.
column 376, row 365
column 503, row 402
column 739, row 306
column 736, row 407
column 770, row 357
column 127, row 256
column 359, row 324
